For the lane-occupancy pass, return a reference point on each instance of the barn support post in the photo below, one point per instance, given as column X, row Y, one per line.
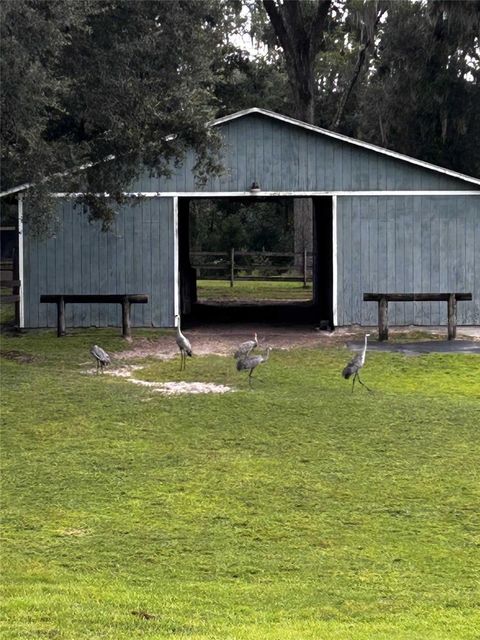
column 452, row 317
column 126, row 324
column 232, row 266
column 176, row 263
column 382, row 319
column 304, row 268
column 334, row 262
column 61, row 317
column 21, row 277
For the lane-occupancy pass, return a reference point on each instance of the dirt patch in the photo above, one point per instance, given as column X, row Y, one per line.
column 18, row 356
column 223, row 340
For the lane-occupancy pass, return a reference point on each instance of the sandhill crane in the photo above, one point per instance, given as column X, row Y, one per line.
column 102, row 358
column 246, row 347
column 249, row 363
column 183, row 344
column 354, row 366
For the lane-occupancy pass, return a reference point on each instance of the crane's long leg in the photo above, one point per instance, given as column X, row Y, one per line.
column 354, row 378
column 362, row 383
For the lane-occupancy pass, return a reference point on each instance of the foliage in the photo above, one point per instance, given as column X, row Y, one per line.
column 299, row 29
column 397, row 73
column 297, row 510
column 221, row 225
column 86, row 81
column 83, row 82
column 422, row 98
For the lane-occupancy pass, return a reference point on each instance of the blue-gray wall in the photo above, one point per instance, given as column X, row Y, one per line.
column 397, row 243
column 284, row 157
column 136, row 256
column 407, row 244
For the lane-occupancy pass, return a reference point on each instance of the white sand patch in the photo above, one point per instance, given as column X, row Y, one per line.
column 167, row 388
column 177, row 388
column 172, row 388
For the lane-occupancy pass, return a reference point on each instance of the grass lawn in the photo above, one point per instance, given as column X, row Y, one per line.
column 295, row 511
column 247, row 291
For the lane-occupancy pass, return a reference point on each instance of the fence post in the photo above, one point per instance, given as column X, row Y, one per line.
column 232, row 266
column 304, row 268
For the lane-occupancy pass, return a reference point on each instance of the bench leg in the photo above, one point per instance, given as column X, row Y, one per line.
column 126, row 326
column 382, row 319
column 452, row 317
column 61, row 318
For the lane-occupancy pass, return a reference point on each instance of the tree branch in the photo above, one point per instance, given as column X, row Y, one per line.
column 317, row 29
column 362, row 56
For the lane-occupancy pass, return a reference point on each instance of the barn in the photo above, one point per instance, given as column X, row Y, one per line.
column 382, row 222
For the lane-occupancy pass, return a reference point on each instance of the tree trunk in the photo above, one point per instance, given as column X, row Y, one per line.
column 301, row 39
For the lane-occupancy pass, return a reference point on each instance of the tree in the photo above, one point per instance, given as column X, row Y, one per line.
column 83, row 82
column 299, row 26
column 423, row 95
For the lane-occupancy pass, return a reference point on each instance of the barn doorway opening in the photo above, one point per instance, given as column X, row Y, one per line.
column 256, row 259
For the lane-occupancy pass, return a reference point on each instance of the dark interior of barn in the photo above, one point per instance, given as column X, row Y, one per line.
column 240, row 279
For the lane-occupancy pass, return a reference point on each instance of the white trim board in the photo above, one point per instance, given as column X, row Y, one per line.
column 21, row 276
column 339, row 136
column 268, row 194
column 334, row 263
column 176, row 274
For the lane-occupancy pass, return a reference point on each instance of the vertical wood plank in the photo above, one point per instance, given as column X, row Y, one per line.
column 329, row 165
column 468, row 316
column 337, row 179
column 435, row 265
column 347, row 167
column 417, row 257
column 409, row 260
column 391, row 252
column 157, row 289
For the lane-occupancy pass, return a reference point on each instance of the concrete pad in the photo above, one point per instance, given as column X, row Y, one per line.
column 421, row 347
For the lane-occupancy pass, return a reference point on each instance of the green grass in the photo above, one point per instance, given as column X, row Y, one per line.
column 247, row 291
column 294, row 511
column 7, row 311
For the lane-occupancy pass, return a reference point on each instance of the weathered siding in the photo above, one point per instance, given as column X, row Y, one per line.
column 285, row 157
column 407, row 244
column 136, row 256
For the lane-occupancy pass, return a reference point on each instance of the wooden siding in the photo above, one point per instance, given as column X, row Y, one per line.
column 136, row 256
column 407, row 244
column 283, row 157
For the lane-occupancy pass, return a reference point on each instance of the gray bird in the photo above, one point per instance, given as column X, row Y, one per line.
column 354, row 366
column 102, row 358
column 246, row 347
column 250, row 363
column 183, row 344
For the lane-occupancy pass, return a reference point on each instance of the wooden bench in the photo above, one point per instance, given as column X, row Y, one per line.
column 384, row 298
column 126, row 300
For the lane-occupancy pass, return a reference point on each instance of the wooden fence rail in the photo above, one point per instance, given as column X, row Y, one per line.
column 230, row 266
